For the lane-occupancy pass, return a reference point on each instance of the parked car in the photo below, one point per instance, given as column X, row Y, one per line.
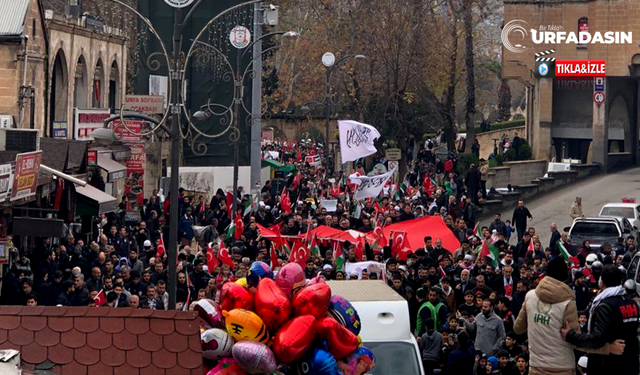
column 630, row 211
column 633, row 271
column 600, row 230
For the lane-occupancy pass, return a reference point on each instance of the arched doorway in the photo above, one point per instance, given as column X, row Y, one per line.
column 59, row 92
column 620, row 139
column 80, row 91
column 114, row 86
column 98, row 86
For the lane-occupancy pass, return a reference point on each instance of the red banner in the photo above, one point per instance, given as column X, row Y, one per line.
column 134, row 183
column 132, row 135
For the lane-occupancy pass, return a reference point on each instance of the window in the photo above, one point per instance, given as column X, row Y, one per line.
column 631, row 272
column 33, row 28
column 626, row 212
column 595, row 229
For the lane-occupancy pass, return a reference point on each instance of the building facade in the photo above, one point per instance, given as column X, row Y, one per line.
column 23, row 93
column 563, row 120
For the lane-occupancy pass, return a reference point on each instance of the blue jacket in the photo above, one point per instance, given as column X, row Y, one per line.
column 185, row 227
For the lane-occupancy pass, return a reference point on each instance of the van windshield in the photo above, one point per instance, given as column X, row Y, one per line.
column 626, row 212
column 393, row 357
column 598, row 229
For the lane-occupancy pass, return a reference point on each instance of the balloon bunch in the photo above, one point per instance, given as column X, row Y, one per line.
column 281, row 325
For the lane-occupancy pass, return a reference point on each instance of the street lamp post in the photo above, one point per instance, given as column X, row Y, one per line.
column 330, row 63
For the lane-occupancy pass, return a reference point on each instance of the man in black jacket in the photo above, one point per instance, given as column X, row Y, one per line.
column 614, row 316
column 519, row 219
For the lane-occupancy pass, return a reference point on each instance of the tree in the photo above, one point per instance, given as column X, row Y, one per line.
column 504, row 101
column 470, row 109
column 449, row 102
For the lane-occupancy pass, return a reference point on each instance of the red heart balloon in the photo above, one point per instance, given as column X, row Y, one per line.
column 272, row 305
column 313, row 299
column 235, row 296
column 340, row 340
column 294, row 338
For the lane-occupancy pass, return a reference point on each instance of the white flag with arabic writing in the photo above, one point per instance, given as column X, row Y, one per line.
column 369, row 187
column 356, row 140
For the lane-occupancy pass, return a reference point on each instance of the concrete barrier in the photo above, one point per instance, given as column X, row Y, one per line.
column 516, row 173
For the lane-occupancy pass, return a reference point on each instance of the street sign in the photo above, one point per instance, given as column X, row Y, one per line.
column 148, row 104
column 393, row 165
column 240, row 37
column 393, row 154
column 598, row 84
column 598, row 97
column 59, row 130
column 179, row 3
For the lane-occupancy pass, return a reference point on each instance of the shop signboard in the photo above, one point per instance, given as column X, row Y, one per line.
column 25, row 181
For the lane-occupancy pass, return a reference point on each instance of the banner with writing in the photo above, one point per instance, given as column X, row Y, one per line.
column 356, row 140
column 369, row 187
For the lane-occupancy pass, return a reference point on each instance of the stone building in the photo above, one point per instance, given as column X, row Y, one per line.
column 563, row 121
column 22, row 76
column 87, row 66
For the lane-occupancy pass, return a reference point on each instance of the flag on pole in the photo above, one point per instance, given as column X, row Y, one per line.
column 161, row 249
column 229, row 203
column 286, row 247
column 299, row 254
column 428, row 185
column 360, row 248
column 225, row 257
column 400, row 245
column 231, row 229
column 285, row 202
column 239, row 226
column 490, row 251
column 442, row 273
column 476, row 230
column 100, row 298
column 274, row 257
column 340, row 260
column 530, row 249
column 212, row 261
column 379, row 238
column 563, row 251
column 247, row 208
column 314, row 248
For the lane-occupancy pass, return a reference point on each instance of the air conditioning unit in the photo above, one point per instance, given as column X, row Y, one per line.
column 20, row 140
column 6, row 121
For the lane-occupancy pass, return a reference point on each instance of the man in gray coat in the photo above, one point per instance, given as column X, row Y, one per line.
column 431, row 348
column 488, row 328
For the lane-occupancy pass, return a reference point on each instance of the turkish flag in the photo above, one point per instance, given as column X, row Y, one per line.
column 100, row 299
column 428, row 186
column 225, row 257
column 380, row 237
column 229, row 203
column 400, row 247
column 360, row 248
column 285, row 203
column 274, row 257
column 212, row 261
column 239, row 229
column 161, row 249
column 299, row 254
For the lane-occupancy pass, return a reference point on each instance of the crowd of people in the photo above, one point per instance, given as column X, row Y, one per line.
column 472, row 311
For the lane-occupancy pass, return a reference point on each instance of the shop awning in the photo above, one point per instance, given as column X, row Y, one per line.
column 93, row 202
column 115, row 170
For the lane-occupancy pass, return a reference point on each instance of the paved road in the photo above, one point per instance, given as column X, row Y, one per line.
column 595, row 192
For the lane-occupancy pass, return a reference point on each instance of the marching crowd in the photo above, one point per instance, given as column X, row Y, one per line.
column 501, row 303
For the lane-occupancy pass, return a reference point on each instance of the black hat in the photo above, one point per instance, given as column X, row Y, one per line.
column 197, row 262
column 557, row 269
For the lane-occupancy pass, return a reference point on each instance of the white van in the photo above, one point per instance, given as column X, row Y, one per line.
column 386, row 330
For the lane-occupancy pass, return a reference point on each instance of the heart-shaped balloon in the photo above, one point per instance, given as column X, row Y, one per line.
column 313, row 300
column 294, row 338
column 290, row 278
column 271, row 304
column 210, row 312
column 235, row 296
column 254, row 357
column 341, row 341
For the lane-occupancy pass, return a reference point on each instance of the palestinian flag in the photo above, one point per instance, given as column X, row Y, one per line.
column 490, row 251
column 338, row 255
column 247, row 208
column 402, row 190
column 314, row 248
column 231, row 229
column 476, row 230
column 286, row 248
column 563, row 251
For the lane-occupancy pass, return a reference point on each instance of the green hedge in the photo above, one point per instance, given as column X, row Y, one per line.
column 503, row 125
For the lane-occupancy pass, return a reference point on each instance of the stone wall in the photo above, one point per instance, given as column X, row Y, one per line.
column 516, row 173
column 486, row 139
column 291, row 127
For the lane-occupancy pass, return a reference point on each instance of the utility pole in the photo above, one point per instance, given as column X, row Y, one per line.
column 256, row 102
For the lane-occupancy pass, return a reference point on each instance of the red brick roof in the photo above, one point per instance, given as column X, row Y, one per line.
column 103, row 341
